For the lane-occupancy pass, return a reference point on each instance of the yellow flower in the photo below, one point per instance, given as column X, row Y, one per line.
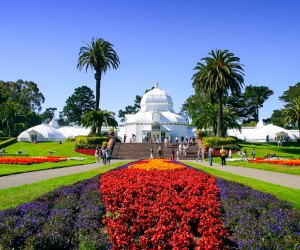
column 156, row 164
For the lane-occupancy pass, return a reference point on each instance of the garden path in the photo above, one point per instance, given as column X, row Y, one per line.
column 286, row 180
column 31, row 177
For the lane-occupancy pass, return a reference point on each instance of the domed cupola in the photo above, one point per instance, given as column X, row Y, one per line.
column 156, row 100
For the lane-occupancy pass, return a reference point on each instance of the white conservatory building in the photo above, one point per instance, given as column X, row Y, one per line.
column 156, row 119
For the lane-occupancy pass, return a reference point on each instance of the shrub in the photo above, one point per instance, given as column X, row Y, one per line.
column 88, row 140
column 218, row 141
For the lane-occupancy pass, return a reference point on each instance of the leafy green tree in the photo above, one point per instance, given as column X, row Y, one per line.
column 96, row 119
column 9, row 115
column 290, row 94
column 276, row 118
column 292, row 115
column 81, row 101
column 255, row 96
column 48, row 115
column 25, row 93
column 216, row 75
column 99, row 56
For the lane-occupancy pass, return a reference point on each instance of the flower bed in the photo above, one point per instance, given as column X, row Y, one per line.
column 71, row 217
column 256, row 220
column 86, row 151
column 67, row 218
column 30, row 160
column 156, row 164
column 148, row 209
column 276, row 161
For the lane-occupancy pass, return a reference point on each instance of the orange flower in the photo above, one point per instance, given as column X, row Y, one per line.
column 156, row 164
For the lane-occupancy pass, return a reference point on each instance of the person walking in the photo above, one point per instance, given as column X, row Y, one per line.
column 223, row 155
column 199, row 155
column 151, row 152
column 210, row 155
column 173, row 154
column 177, row 155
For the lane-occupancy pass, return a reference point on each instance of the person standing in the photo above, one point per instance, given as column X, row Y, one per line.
column 230, row 153
column 151, row 152
column 108, row 156
column 97, row 154
column 177, row 155
column 124, row 138
column 103, row 156
column 253, row 153
column 223, row 155
column 210, row 155
column 159, row 151
column 199, row 155
column 176, row 140
column 173, row 154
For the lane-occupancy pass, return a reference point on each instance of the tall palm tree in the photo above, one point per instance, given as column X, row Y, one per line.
column 96, row 119
column 218, row 74
column 99, row 56
column 292, row 114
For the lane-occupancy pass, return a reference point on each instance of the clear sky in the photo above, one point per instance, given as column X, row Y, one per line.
column 155, row 40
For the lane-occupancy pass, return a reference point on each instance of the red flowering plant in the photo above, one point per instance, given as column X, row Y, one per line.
column 170, row 209
column 30, row 160
column 277, row 161
column 86, row 151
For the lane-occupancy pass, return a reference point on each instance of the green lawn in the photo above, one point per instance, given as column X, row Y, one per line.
column 42, row 149
column 288, row 194
column 263, row 149
column 15, row 196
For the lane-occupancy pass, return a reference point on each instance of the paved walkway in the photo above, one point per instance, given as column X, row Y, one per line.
column 286, row 180
column 31, row 177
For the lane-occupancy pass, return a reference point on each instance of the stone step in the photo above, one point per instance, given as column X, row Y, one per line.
column 142, row 151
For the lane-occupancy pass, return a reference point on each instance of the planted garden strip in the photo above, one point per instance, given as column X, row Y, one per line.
column 149, row 209
column 30, row 160
column 275, row 161
column 256, row 220
column 67, row 218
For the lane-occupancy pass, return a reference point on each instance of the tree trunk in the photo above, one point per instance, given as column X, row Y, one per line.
column 220, row 116
column 98, row 80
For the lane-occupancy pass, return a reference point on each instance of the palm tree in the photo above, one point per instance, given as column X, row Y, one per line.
column 98, row 56
column 9, row 112
column 96, row 119
column 218, row 74
column 292, row 115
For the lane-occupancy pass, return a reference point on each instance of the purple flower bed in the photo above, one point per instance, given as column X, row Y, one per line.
column 257, row 220
column 71, row 218
column 67, row 218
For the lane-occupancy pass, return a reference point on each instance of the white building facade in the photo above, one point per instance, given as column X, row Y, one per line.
column 156, row 119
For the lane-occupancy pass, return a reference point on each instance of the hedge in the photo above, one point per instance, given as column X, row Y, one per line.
column 8, row 142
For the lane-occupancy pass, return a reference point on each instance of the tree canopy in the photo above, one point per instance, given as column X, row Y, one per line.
column 220, row 72
column 81, row 101
column 99, row 56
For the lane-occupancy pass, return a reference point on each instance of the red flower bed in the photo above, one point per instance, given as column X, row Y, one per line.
column 30, row 160
column 86, row 151
column 171, row 209
column 275, row 161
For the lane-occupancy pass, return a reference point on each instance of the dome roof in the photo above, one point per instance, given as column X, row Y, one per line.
column 150, row 117
column 43, row 131
column 156, row 100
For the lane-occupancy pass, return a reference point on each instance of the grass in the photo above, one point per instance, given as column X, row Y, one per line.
column 287, row 194
column 262, row 150
column 11, row 197
column 42, row 149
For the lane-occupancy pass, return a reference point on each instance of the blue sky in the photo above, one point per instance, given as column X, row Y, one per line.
column 155, row 40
